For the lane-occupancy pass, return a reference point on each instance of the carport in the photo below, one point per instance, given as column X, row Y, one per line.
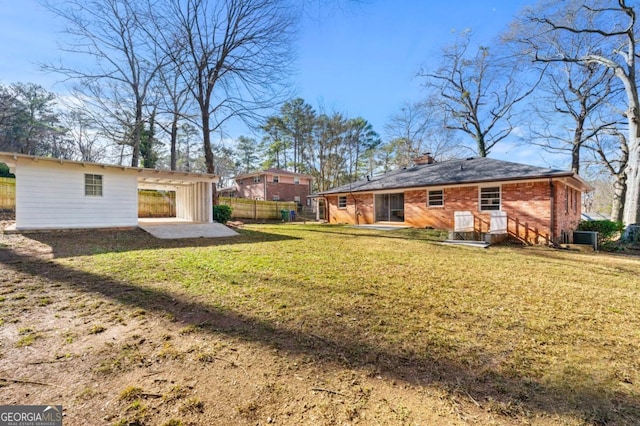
column 53, row 193
column 194, row 201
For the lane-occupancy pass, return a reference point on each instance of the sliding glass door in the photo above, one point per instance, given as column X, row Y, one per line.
column 390, row 207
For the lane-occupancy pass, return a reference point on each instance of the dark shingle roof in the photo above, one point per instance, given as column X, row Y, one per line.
column 452, row 172
column 272, row 171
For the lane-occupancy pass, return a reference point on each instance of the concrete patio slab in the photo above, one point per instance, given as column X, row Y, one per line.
column 380, row 227
column 172, row 229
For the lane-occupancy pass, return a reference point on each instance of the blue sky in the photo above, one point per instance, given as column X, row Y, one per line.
column 364, row 60
column 360, row 60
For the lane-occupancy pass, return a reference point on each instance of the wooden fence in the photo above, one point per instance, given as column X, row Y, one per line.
column 243, row 208
column 7, row 193
column 156, row 203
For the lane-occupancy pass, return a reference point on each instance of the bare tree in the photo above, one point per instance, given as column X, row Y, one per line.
column 408, row 128
column 575, row 95
column 612, row 152
column 477, row 92
column 419, row 128
column 175, row 104
column 84, row 135
column 111, row 33
column 609, row 28
column 236, row 54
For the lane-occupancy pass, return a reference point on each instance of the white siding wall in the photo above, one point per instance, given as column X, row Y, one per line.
column 50, row 195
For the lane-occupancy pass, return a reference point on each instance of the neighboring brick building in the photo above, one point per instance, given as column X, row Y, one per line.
column 543, row 206
column 271, row 185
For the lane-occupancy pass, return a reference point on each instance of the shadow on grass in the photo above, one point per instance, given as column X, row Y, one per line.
column 87, row 242
column 510, row 394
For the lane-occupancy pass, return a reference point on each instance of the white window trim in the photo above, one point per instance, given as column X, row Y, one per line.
column 93, row 185
column 296, row 180
column 256, row 179
column 345, row 202
column 275, row 179
column 441, row 206
column 480, row 188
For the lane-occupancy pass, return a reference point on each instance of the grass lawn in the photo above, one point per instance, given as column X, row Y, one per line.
column 515, row 335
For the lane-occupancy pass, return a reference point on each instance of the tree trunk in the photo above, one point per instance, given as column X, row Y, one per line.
column 575, row 148
column 206, row 141
column 137, row 133
column 208, row 152
column 619, row 190
column 632, row 196
column 174, row 142
column 482, row 147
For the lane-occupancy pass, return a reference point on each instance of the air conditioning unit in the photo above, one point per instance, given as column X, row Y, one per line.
column 586, row 237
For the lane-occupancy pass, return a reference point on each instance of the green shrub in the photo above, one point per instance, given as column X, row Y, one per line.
column 607, row 230
column 221, row 213
column 4, row 171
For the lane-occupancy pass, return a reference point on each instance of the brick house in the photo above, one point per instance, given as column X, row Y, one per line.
column 542, row 206
column 271, row 185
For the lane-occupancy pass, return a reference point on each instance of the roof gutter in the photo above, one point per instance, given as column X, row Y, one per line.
column 583, row 186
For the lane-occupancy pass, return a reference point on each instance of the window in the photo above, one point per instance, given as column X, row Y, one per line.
column 296, row 180
column 256, row 179
column 342, row 202
column 490, row 198
column 93, row 185
column 297, row 199
column 436, row 198
column 276, row 197
column 276, row 179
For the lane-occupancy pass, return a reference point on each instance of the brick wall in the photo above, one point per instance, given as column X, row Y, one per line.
column 285, row 188
column 527, row 204
column 287, row 191
column 568, row 207
column 528, row 207
column 364, row 212
column 248, row 189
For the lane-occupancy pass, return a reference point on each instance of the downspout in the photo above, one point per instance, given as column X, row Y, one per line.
column 355, row 206
column 553, row 211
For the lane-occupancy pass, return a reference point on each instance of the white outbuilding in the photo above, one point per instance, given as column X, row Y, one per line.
column 63, row 194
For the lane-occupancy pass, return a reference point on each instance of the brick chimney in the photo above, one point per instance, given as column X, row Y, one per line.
column 425, row 158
